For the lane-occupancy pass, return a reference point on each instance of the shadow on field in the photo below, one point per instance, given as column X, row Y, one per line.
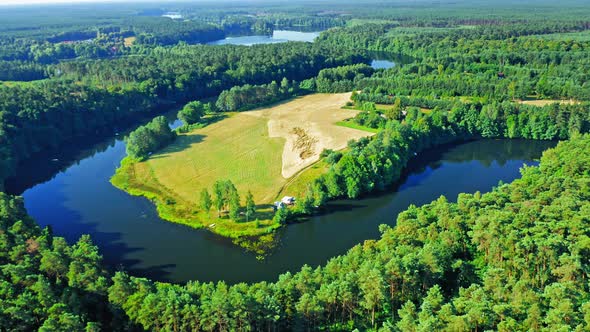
column 182, row 143
column 209, row 120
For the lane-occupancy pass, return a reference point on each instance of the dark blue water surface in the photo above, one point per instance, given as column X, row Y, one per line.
column 73, row 195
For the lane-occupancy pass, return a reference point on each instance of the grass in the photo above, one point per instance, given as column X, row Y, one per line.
column 353, row 125
column 297, row 184
column 236, row 148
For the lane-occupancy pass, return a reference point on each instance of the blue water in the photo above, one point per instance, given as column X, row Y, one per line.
column 78, row 199
column 278, row 36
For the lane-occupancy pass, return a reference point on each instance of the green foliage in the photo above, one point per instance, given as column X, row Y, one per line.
column 250, row 206
column 513, row 258
column 242, row 98
column 192, row 113
column 281, row 216
column 341, row 79
column 46, row 284
column 205, row 200
column 149, row 138
column 226, row 197
column 375, row 164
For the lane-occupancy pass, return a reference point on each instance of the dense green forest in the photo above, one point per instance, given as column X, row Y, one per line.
column 514, row 259
column 90, row 97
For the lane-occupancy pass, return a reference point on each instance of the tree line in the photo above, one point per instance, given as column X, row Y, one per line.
column 374, row 164
column 246, row 97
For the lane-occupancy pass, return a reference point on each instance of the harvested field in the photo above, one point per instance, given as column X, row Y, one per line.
column 258, row 150
column 263, row 151
column 308, row 124
column 129, row 41
column 545, row 102
column 237, row 148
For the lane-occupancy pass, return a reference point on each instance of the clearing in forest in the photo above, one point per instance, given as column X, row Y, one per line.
column 257, row 150
column 545, row 102
column 308, row 126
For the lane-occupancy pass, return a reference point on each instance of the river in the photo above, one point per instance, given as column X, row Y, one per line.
column 70, row 191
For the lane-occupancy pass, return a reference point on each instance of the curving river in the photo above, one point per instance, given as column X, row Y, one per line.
column 70, row 191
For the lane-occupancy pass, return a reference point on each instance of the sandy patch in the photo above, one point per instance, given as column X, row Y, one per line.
column 545, row 102
column 308, row 124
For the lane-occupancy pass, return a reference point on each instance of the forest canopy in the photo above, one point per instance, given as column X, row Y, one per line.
column 513, row 259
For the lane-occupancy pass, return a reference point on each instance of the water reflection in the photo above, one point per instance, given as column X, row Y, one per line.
column 78, row 199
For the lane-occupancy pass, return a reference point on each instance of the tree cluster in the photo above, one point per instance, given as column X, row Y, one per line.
column 147, row 139
column 246, row 97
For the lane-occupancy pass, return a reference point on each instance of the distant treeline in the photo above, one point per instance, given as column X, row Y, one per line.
column 497, row 62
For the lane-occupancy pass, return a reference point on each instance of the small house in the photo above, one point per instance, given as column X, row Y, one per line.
column 288, row 200
column 278, row 205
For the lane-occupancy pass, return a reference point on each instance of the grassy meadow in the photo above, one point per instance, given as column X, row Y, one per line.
column 239, row 148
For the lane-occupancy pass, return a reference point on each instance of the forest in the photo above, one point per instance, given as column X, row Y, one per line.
column 512, row 259
column 90, row 97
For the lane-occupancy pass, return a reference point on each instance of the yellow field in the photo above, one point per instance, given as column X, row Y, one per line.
column 252, row 149
column 129, row 41
column 308, row 124
column 545, row 102
column 238, row 149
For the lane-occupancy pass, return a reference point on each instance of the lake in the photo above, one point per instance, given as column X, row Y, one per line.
column 278, row 36
column 73, row 195
column 385, row 60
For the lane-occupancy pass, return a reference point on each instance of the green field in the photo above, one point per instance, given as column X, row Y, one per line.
column 237, row 148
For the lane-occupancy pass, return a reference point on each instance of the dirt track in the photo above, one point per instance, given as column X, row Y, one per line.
column 309, row 126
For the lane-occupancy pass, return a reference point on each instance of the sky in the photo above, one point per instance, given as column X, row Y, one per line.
column 32, row 2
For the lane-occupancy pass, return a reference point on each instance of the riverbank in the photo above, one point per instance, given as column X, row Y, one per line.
column 255, row 235
column 264, row 151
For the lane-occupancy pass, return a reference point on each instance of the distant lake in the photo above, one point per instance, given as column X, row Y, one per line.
column 278, row 36
column 385, row 60
column 173, row 15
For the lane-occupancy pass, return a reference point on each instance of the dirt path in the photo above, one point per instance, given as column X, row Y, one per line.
column 309, row 126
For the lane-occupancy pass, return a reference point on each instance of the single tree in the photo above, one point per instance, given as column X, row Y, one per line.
column 206, row 201
column 219, row 201
column 250, row 205
column 192, row 112
column 234, row 205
